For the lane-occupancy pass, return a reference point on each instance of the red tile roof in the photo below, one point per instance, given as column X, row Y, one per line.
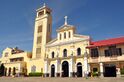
column 107, row 42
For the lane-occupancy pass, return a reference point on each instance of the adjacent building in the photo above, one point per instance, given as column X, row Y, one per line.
column 107, row 56
column 15, row 61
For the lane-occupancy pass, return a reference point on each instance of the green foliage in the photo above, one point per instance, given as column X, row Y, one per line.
column 122, row 71
column 95, row 74
column 35, row 74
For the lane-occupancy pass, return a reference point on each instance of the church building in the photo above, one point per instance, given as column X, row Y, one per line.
column 59, row 57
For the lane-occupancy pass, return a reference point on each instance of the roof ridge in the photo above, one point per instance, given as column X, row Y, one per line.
column 109, row 39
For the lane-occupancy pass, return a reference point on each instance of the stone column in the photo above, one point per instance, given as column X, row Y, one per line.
column 71, row 69
column 46, row 74
column 60, row 69
column 89, row 68
column 58, row 64
column 57, row 67
column 19, row 70
column 72, row 63
column 75, row 68
column 85, row 66
column 101, row 69
column 7, row 72
column 118, row 72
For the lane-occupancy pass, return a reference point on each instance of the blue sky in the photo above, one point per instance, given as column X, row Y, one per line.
column 100, row 19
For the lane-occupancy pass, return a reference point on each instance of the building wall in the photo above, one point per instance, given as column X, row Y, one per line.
column 44, row 20
column 39, row 63
column 102, row 62
column 102, row 57
column 20, row 65
column 71, row 49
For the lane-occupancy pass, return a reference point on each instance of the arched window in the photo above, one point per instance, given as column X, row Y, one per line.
column 79, row 51
column 69, row 34
column 64, row 35
column 40, row 13
column 6, row 54
column 39, row 28
column 65, row 53
column 39, row 39
column 53, row 54
column 60, row 36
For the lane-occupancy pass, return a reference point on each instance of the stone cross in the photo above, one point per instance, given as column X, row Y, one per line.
column 44, row 5
column 66, row 20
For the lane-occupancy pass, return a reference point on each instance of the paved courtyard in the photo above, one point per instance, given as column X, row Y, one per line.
column 40, row 79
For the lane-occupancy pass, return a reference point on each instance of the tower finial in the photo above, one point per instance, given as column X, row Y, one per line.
column 66, row 17
column 44, row 5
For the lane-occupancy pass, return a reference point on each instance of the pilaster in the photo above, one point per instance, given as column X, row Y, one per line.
column 101, row 69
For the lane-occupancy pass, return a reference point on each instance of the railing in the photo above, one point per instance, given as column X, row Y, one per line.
column 105, row 59
column 93, row 59
column 69, row 56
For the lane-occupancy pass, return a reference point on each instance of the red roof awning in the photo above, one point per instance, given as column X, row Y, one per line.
column 107, row 42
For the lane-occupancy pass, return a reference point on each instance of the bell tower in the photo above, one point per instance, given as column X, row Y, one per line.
column 42, row 31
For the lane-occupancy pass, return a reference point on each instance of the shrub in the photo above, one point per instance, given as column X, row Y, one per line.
column 35, row 74
column 95, row 74
column 122, row 71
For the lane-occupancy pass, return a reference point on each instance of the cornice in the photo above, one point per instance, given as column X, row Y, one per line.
column 67, row 42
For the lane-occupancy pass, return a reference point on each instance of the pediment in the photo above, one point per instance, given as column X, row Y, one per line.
column 7, row 49
column 76, row 38
column 65, row 27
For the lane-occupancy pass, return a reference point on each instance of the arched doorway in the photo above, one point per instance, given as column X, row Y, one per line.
column 9, row 72
column 79, row 70
column 5, row 73
column 14, row 70
column 52, row 70
column 2, row 69
column 65, row 69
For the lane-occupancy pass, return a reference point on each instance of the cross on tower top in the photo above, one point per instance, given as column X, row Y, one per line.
column 44, row 5
column 66, row 17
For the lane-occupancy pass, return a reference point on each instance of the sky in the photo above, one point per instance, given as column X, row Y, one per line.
column 100, row 19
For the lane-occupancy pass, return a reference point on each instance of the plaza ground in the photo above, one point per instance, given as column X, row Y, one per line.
column 40, row 79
